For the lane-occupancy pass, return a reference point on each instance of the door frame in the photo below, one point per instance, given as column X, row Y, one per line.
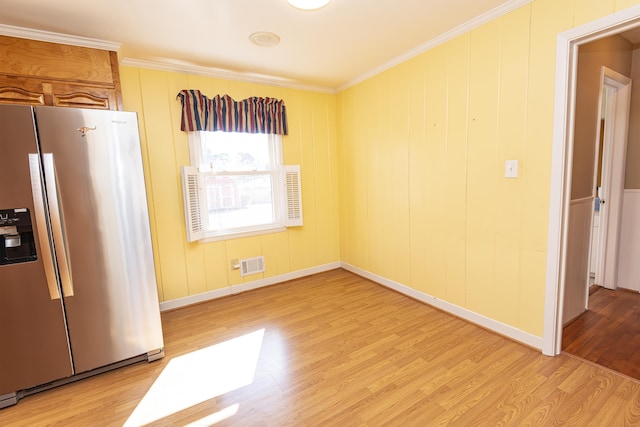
column 616, row 90
column 567, row 44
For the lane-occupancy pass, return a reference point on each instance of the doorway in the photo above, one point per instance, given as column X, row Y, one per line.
column 604, row 330
column 602, row 97
column 563, row 152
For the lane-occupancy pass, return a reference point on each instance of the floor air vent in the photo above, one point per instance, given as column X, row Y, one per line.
column 251, row 265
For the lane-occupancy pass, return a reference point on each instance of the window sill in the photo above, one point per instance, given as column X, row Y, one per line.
column 222, row 237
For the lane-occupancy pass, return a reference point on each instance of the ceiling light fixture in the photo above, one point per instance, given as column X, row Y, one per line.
column 308, row 4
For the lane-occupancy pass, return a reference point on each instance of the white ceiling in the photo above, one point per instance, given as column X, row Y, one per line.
column 329, row 48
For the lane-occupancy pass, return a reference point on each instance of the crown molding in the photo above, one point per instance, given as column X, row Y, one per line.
column 223, row 74
column 47, row 36
column 479, row 20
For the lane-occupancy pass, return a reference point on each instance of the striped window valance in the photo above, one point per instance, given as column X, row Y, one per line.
column 222, row 113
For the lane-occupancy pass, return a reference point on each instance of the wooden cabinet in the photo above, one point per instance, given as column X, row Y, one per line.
column 42, row 73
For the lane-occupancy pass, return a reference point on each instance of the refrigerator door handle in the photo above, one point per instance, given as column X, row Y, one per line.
column 46, row 252
column 59, row 240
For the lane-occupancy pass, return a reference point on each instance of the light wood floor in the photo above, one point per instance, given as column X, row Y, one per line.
column 609, row 332
column 336, row 350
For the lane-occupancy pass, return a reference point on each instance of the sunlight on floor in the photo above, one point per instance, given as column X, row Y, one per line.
column 212, row 419
column 198, row 376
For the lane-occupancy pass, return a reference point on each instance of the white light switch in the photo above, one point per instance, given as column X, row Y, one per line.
column 511, row 169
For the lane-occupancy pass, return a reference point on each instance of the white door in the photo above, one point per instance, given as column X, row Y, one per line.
column 615, row 93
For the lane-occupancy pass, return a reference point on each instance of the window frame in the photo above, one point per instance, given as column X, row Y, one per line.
column 287, row 208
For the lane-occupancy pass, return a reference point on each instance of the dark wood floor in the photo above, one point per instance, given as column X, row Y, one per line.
column 609, row 332
column 335, row 349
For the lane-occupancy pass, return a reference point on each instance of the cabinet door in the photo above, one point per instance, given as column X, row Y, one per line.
column 23, row 91
column 81, row 96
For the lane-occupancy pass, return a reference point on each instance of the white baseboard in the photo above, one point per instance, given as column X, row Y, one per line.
column 243, row 287
column 463, row 313
column 478, row 319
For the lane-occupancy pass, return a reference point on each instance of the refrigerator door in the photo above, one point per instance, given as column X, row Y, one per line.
column 99, row 216
column 33, row 338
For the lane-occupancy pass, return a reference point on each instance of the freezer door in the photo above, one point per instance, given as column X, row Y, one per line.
column 33, row 340
column 99, row 215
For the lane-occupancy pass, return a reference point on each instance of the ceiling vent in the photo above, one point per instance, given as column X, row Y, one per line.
column 264, row 38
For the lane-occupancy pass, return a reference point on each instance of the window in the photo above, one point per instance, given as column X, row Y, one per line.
column 236, row 186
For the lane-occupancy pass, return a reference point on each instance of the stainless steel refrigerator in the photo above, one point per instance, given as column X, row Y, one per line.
column 77, row 283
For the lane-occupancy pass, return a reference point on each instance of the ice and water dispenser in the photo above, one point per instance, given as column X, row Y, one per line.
column 16, row 236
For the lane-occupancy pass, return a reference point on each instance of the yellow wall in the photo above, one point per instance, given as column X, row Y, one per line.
column 424, row 201
column 185, row 269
